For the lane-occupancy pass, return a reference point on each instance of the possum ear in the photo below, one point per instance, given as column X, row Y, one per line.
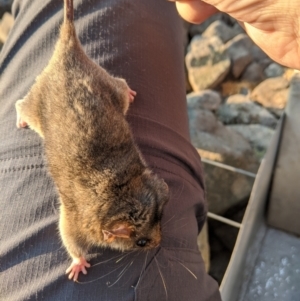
column 122, row 230
column 119, row 230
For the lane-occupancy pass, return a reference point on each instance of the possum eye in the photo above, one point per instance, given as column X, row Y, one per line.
column 142, row 242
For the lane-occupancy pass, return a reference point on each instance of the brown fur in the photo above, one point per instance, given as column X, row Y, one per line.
column 108, row 195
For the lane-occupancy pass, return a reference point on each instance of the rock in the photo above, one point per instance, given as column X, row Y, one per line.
column 274, row 70
column 238, row 109
column 207, row 63
column 209, row 134
column 257, row 53
column 237, row 28
column 6, row 24
column 197, row 29
column 238, row 51
column 202, row 121
column 216, row 142
column 207, row 100
column 253, row 73
column 220, row 29
column 258, row 135
column 272, row 93
column 260, row 57
column 224, row 188
column 237, row 87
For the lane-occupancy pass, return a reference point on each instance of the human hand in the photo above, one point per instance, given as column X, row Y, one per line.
column 274, row 25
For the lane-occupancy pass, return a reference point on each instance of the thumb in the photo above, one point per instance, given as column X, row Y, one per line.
column 195, row 11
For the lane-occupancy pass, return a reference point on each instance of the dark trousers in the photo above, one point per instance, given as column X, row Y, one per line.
column 141, row 42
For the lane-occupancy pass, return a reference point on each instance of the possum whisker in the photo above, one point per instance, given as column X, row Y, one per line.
column 102, row 275
column 181, row 226
column 120, row 257
column 181, row 240
column 188, row 270
column 180, row 262
column 122, row 273
column 168, row 221
column 178, row 220
column 124, row 256
column 162, row 277
column 143, row 269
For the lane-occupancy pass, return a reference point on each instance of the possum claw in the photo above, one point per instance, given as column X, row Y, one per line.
column 78, row 265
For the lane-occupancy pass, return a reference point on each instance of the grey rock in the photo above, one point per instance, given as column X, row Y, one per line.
column 253, row 73
column 196, row 29
column 272, row 93
column 216, row 142
column 207, row 63
column 207, row 100
column 257, row 53
column 264, row 63
column 225, row 189
column 260, row 57
column 239, row 51
column 237, row 28
column 274, row 70
column 238, row 109
column 6, row 23
column 221, row 30
column 258, row 136
column 202, row 121
column 211, row 136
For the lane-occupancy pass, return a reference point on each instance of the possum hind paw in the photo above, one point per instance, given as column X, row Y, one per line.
column 21, row 123
column 78, row 265
column 132, row 94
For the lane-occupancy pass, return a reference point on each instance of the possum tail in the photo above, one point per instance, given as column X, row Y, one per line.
column 68, row 11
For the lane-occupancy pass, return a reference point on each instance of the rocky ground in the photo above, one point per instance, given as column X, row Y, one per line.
column 235, row 96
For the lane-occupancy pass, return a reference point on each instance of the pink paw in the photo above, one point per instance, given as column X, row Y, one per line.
column 21, row 124
column 132, row 94
column 78, row 265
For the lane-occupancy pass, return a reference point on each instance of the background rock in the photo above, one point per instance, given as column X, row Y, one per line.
column 224, row 188
column 238, row 51
column 206, row 99
column 258, row 136
column 197, row 29
column 219, row 29
column 216, row 142
column 207, row 63
column 272, row 94
column 239, row 109
column 274, row 70
column 253, row 73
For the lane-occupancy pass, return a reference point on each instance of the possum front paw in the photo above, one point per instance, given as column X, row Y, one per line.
column 78, row 265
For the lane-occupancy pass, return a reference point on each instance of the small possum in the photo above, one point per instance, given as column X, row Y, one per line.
column 108, row 195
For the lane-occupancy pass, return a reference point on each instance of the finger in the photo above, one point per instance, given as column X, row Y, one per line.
column 195, row 11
